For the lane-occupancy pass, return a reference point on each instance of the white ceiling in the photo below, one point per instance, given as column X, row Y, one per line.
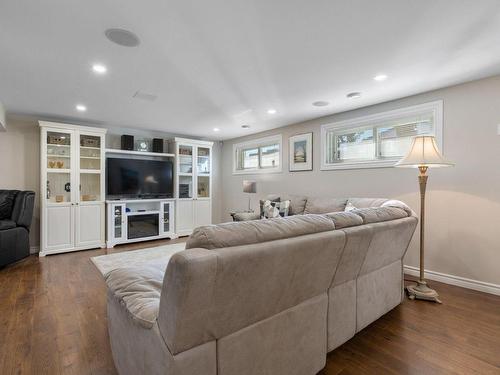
column 223, row 63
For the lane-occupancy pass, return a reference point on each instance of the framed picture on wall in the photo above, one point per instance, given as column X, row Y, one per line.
column 301, row 152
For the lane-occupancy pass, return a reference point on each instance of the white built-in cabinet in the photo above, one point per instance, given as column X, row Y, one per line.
column 136, row 220
column 72, row 187
column 193, row 183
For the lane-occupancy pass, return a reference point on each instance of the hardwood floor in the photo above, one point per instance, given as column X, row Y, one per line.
column 53, row 321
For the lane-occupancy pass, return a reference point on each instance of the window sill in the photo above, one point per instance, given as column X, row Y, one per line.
column 360, row 165
column 257, row 171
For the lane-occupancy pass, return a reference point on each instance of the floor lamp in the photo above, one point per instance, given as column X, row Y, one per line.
column 423, row 154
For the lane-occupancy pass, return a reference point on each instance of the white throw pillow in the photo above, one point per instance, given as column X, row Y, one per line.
column 349, row 207
column 270, row 211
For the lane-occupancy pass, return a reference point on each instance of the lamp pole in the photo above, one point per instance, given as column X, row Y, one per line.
column 422, row 181
column 421, row 290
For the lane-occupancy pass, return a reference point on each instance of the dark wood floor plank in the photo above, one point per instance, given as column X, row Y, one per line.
column 53, row 321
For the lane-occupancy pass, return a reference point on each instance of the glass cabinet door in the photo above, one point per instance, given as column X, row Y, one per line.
column 90, row 167
column 165, row 222
column 58, row 167
column 118, row 221
column 185, row 174
column 203, row 172
column 203, row 162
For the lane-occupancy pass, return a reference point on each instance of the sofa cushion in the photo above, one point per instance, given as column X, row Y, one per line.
column 138, row 289
column 399, row 204
column 378, row 214
column 344, row 219
column 250, row 232
column 366, row 202
column 324, row 205
column 297, row 204
column 7, row 224
column 6, row 203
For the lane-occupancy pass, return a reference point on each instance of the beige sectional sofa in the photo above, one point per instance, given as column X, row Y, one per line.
column 262, row 297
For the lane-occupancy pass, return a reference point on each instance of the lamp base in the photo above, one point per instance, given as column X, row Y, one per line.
column 422, row 291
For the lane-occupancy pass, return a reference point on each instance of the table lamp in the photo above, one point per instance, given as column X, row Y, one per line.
column 423, row 154
column 249, row 187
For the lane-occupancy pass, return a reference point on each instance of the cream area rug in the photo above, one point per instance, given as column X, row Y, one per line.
column 158, row 255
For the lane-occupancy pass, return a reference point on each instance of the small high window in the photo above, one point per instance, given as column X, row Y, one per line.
column 258, row 156
column 378, row 140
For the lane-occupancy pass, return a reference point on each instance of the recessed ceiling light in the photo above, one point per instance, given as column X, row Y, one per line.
column 81, row 108
column 380, row 77
column 245, row 126
column 354, row 95
column 320, row 103
column 99, row 68
column 216, row 129
column 271, row 111
column 122, row 37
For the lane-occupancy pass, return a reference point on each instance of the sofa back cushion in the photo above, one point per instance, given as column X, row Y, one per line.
column 22, row 211
column 344, row 219
column 208, row 294
column 251, row 232
column 7, row 198
column 378, row 214
column 366, row 202
column 324, row 205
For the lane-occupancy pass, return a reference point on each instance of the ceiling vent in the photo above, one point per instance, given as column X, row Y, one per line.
column 145, row 96
column 122, row 37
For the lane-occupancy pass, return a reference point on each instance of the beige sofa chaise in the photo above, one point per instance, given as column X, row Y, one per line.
column 261, row 297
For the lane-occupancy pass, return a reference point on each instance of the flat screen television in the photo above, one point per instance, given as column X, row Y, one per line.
column 138, row 178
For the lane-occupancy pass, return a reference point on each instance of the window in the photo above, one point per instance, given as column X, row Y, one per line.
column 258, row 156
column 378, row 140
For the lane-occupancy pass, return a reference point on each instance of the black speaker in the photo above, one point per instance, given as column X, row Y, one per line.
column 157, row 145
column 128, row 142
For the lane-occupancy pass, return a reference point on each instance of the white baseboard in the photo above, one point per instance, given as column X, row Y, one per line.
column 455, row 280
column 34, row 250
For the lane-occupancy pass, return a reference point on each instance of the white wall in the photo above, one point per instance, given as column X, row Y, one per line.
column 463, row 203
column 20, row 162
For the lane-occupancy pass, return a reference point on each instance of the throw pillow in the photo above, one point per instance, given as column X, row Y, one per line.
column 273, row 200
column 270, row 210
column 283, row 207
column 349, row 207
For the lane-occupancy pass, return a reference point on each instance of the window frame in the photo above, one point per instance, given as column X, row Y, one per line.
column 436, row 107
column 258, row 143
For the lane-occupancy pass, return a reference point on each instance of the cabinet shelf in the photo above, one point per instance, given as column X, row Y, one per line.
column 58, row 170
column 90, row 148
column 58, row 156
column 90, row 171
column 142, row 153
column 90, row 157
column 133, row 213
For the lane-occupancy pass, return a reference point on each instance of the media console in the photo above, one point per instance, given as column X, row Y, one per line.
column 134, row 220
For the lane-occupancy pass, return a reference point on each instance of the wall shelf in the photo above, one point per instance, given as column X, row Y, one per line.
column 141, row 153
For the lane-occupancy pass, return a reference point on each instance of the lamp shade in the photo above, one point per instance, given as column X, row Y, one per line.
column 249, row 186
column 423, row 152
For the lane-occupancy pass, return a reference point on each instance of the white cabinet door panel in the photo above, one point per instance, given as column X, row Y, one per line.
column 185, row 216
column 202, row 213
column 89, row 225
column 59, row 227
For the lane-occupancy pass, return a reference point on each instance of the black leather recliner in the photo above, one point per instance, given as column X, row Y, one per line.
column 16, row 212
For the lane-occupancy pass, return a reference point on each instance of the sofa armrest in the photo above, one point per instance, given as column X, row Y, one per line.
column 22, row 212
